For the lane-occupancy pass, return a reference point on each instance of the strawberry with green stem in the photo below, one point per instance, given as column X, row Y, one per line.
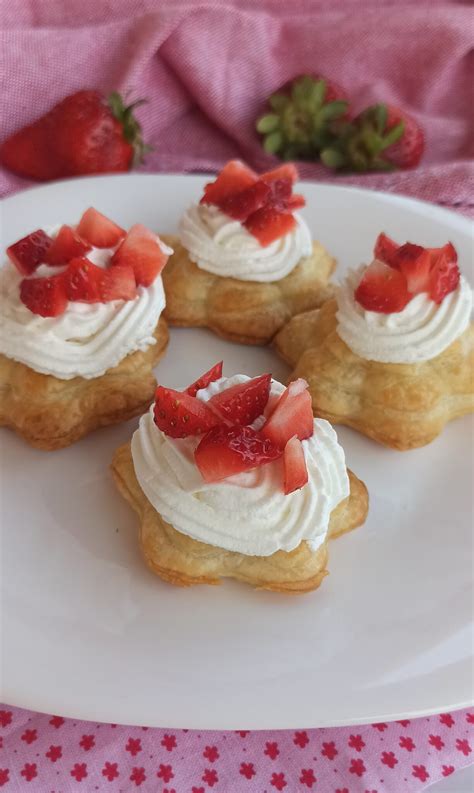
column 302, row 117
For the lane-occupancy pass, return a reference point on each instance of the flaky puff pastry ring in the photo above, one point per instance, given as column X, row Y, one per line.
column 399, row 405
column 247, row 312
column 182, row 561
column 50, row 413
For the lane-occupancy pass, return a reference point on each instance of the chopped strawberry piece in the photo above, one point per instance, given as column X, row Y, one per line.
column 66, row 246
column 296, row 201
column 414, row 262
column 142, row 251
column 99, row 230
column 242, row 403
column 292, row 415
column 29, row 252
column 268, row 225
column 208, row 377
column 180, row 415
column 44, row 296
column 294, row 465
column 240, row 205
column 118, row 283
column 234, row 177
column 280, row 194
column 225, row 451
column 382, row 289
column 287, row 171
column 83, row 281
column 445, row 275
column 385, row 249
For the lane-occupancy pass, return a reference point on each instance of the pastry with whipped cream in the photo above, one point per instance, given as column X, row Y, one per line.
column 244, row 262
column 81, row 328
column 233, row 477
column 392, row 354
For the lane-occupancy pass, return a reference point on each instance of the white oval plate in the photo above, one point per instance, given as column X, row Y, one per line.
column 89, row 632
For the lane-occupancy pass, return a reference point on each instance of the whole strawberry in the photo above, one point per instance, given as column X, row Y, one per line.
column 381, row 138
column 85, row 133
column 301, row 117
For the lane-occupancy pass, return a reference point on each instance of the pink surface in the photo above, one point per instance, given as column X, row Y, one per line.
column 206, row 71
column 47, row 754
column 208, row 67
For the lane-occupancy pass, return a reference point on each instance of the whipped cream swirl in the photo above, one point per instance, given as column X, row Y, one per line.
column 421, row 331
column 85, row 341
column 248, row 512
column 223, row 246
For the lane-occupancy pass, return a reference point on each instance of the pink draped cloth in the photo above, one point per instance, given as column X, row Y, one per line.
column 206, row 69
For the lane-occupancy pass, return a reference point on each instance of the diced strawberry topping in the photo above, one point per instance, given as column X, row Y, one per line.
column 293, row 415
column 178, row 414
column 415, row 264
column 208, row 377
column 242, row 403
column 83, row 281
column 99, row 230
column 66, row 246
column 445, row 275
column 268, row 225
column 240, row 205
column 118, row 283
column 225, row 451
column 281, row 190
column 294, row 465
column 234, row 177
column 141, row 250
column 296, row 201
column 287, row 171
column 384, row 249
column 382, row 289
column 29, row 252
column 44, row 296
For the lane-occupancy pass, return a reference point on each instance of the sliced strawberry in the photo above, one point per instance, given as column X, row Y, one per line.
column 414, row 262
column 294, row 466
column 382, row 289
column 296, row 201
column 83, row 281
column 268, row 225
column 66, row 246
column 234, row 177
column 385, row 249
column 225, row 451
column 208, row 377
column 99, row 230
column 44, row 296
column 445, row 275
column 240, row 205
column 287, row 171
column 280, row 194
column 180, row 415
column 292, row 415
column 29, row 252
column 142, row 251
column 118, row 283
column 243, row 403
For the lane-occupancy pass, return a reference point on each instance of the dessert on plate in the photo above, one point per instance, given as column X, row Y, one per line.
column 244, row 262
column 233, row 477
column 80, row 328
column 392, row 354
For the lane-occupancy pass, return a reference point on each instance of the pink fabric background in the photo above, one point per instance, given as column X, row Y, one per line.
column 48, row 754
column 206, row 69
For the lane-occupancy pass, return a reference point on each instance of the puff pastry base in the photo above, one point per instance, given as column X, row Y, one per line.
column 183, row 561
column 402, row 406
column 242, row 311
column 50, row 413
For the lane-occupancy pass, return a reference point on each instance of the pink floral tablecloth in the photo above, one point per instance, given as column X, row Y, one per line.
column 206, row 68
column 48, row 754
